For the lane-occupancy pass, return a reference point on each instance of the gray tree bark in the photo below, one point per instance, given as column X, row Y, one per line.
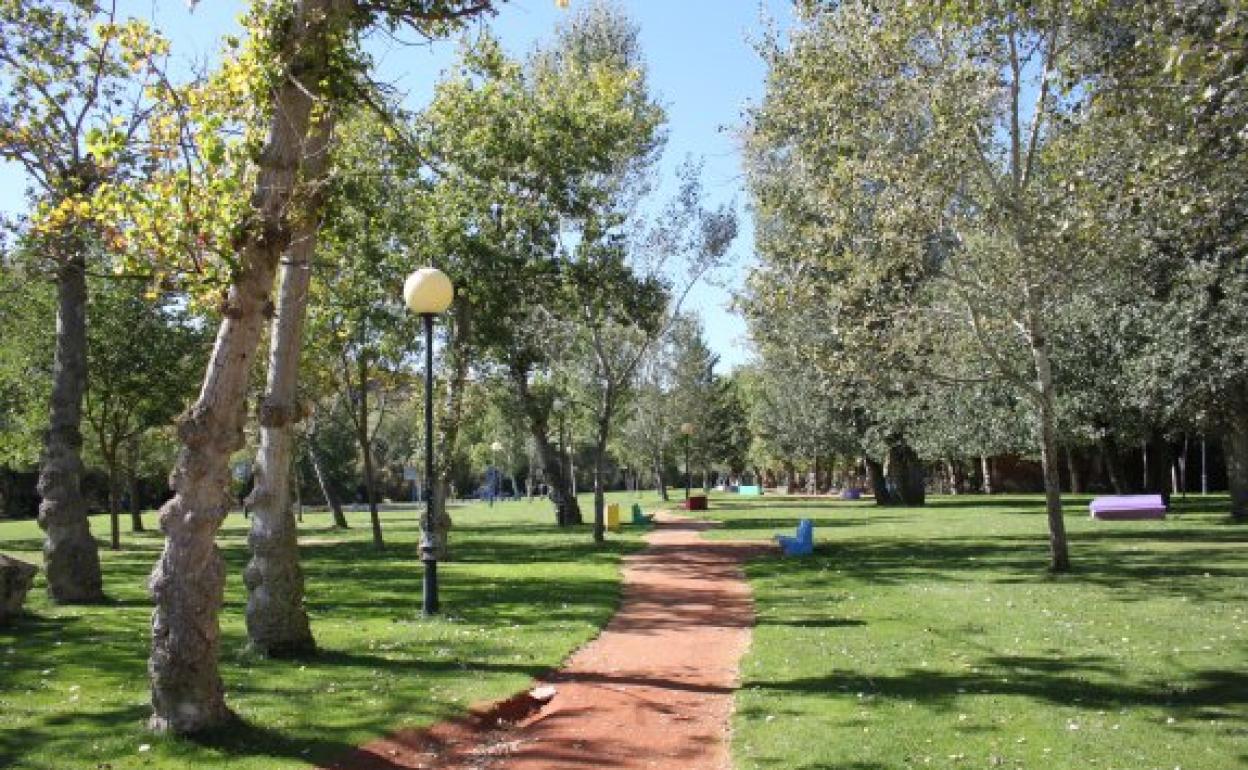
column 905, row 475
column 659, row 482
column 188, row 581
column 985, row 466
column 1046, row 399
column 879, row 484
column 1072, row 469
column 1110, row 462
column 277, row 623
column 71, row 555
column 132, row 481
column 600, row 493
column 114, row 509
column 1235, row 445
column 1160, row 458
column 331, row 499
column 366, row 454
column 458, row 356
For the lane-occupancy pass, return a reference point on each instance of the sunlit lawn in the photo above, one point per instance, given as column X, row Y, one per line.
column 519, row 596
column 934, row 638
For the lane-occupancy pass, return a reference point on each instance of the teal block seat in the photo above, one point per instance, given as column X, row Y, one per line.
column 641, row 518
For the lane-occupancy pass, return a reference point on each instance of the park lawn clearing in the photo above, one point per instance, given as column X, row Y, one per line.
column 520, row 595
column 933, row 638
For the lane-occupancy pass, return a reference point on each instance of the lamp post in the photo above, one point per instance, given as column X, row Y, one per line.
column 427, row 293
column 493, row 481
column 686, row 430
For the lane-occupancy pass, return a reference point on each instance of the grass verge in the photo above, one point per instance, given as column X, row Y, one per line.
column 519, row 596
column 933, row 638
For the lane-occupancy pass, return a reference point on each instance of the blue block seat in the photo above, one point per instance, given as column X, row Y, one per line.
column 800, row 544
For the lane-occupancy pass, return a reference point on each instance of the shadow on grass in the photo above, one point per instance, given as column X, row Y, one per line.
column 53, row 731
column 786, row 524
column 1088, row 681
column 243, row 739
column 558, row 578
column 1137, row 560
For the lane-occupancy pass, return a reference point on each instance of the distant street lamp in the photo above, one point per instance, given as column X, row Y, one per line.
column 427, row 293
column 687, row 430
column 493, row 480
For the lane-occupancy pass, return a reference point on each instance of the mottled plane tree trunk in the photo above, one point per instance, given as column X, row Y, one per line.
column 188, row 581
column 71, row 555
column 277, row 623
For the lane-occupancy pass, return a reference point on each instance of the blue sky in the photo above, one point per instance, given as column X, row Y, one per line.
column 702, row 67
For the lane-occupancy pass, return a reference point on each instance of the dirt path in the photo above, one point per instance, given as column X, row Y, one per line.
column 653, row 691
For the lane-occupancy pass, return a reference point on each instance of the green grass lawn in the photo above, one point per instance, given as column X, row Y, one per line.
column 520, row 595
column 933, row 638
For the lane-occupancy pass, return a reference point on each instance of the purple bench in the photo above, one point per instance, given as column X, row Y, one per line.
column 1120, row 507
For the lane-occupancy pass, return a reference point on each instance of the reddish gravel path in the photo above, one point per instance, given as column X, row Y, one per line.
column 653, row 691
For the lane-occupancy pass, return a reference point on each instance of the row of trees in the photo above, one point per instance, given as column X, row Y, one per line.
column 1009, row 228
column 282, row 198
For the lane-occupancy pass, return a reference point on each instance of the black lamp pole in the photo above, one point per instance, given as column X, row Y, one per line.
column 428, row 553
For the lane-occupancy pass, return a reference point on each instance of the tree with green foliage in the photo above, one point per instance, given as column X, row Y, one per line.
column 919, row 148
column 73, row 109
column 530, row 159
column 1165, row 134
column 26, row 302
column 143, row 360
column 331, row 455
column 300, row 60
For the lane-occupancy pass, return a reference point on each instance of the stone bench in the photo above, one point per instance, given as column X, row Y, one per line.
column 16, row 578
column 1120, row 507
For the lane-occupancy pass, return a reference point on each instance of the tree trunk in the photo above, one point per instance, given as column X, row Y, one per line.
column 1157, row 479
column 458, row 357
column 331, row 499
column 188, row 581
column 879, row 485
column 1059, row 554
column 1072, row 468
column 600, row 497
column 441, row 519
column 567, row 509
column 70, row 554
column 1235, row 445
column 905, row 475
column 985, row 469
column 132, row 483
column 1109, row 459
column 660, row 483
column 277, row 623
column 366, row 453
column 114, row 509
